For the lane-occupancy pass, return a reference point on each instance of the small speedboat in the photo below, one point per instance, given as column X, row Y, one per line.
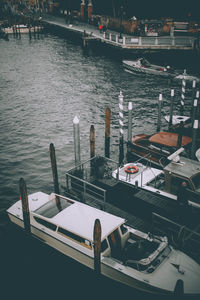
column 137, row 259
column 142, row 65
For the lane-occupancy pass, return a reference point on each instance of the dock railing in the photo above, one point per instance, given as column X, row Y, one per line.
column 177, row 41
column 87, row 179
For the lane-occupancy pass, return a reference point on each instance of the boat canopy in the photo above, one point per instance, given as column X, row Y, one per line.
column 169, row 139
column 79, row 218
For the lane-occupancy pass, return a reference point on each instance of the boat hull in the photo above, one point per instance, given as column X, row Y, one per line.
column 107, row 269
column 144, row 70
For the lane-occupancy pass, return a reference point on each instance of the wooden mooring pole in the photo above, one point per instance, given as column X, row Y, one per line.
column 25, row 206
column 92, row 141
column 107, row 132
column 171, row 109
column 55, row 175
column 179, row 288
column 180, row 135
column 97, row 246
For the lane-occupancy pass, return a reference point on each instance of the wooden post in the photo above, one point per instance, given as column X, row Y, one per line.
column 97, row 246
column 179, row 288
column 82, row 10
column 55, row 174
column 92, row 149
column 77, row 151
column 25, row 206
column 194, row 138
column 92, row 141
column 171, row 109
column 107, row 132
column 180, row 135
column 121, row 129
column 183, row 94
column 159, row 112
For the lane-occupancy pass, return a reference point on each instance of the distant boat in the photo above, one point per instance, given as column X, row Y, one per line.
column 21, row 28
column 139, row 260
column 142, row 65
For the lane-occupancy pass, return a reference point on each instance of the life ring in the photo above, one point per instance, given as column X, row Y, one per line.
column 131, row 169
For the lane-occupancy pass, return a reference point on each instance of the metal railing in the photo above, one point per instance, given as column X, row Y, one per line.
column 150, row 41
column 83, row 179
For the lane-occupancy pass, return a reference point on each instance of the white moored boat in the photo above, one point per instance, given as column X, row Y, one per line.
column 164, row 182
column 134, row 258
column 142, row 65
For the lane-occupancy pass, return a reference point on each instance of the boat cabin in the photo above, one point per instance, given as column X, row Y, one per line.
column 185, row 170
column 73, row 223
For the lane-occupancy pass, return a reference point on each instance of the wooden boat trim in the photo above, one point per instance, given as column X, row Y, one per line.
column 169, row 139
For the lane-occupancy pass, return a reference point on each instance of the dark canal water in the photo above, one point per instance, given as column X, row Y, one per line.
column 44, row 83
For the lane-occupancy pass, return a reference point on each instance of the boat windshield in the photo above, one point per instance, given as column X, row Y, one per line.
column 196, row 181
column 51, row 208
column 145, row 62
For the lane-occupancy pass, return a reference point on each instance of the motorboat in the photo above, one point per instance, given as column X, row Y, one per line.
column 157, row 147
column 134, row 258
column 164, row 182
column 142, row 65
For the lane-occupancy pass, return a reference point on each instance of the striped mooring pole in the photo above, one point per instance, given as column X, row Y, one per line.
column 121, row 128
column 183, row 94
